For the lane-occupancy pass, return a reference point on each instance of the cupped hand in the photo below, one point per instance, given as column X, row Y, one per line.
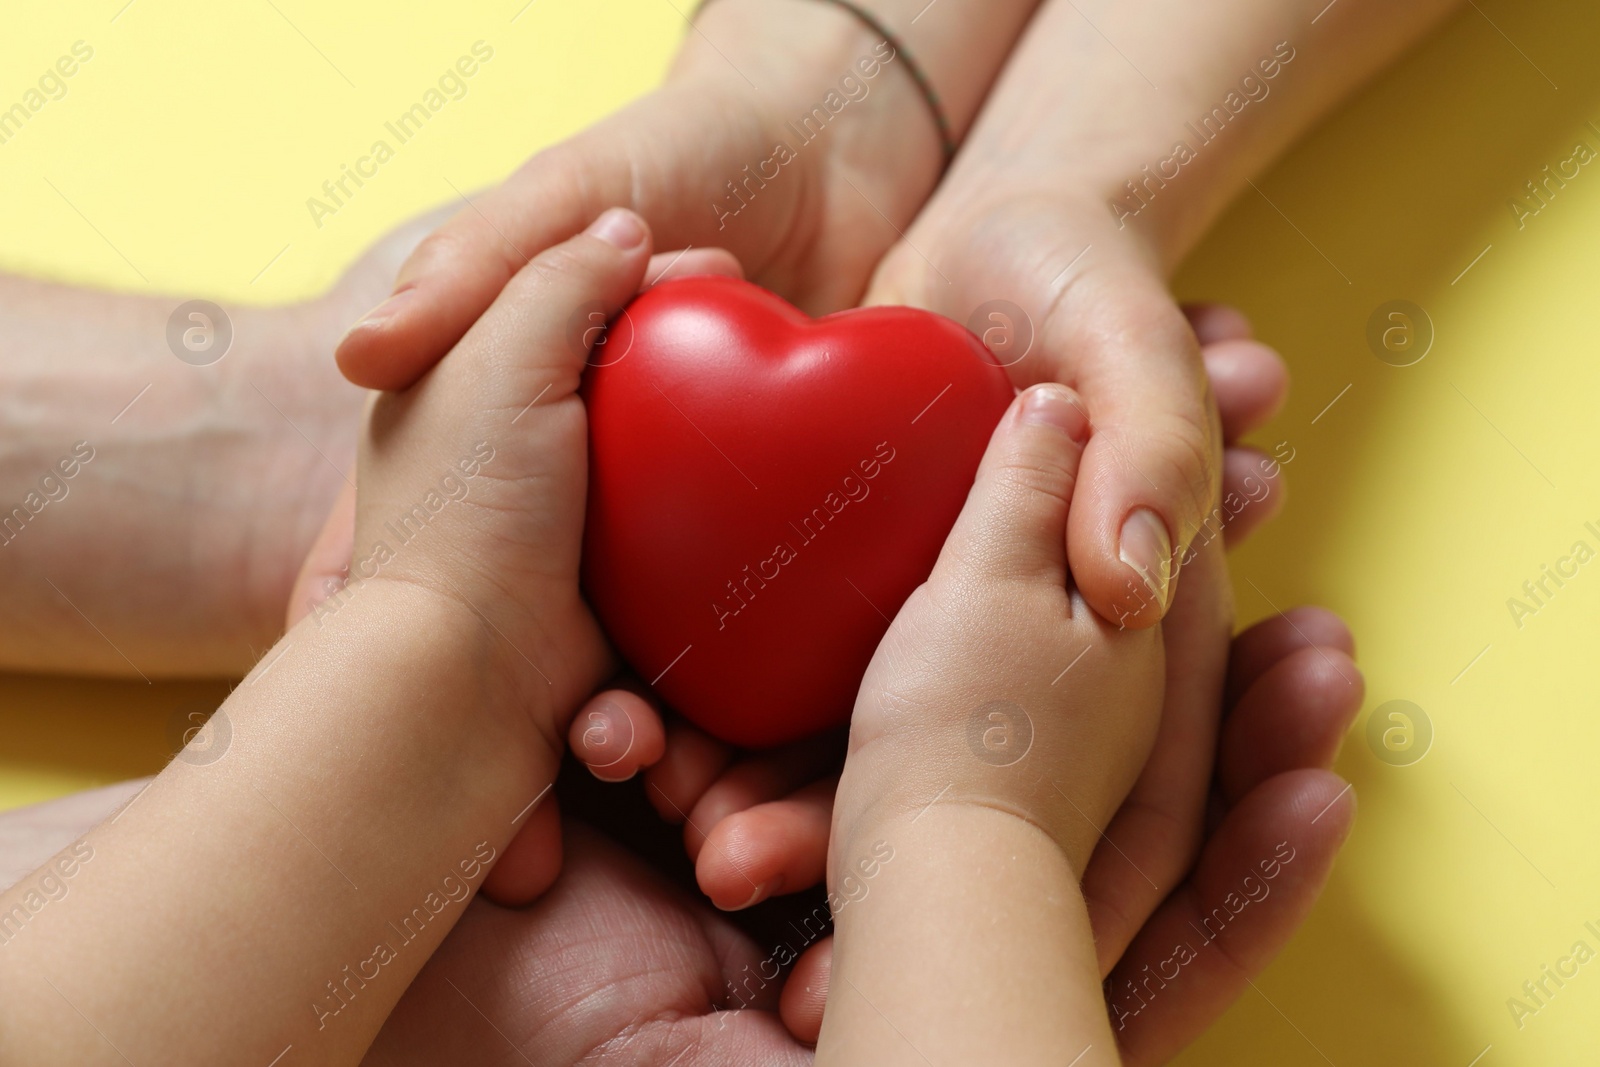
column 699, row 160
column 760, row 822
column 615, row 964
column 471, row 485
column 618, row 964
column 757, row 824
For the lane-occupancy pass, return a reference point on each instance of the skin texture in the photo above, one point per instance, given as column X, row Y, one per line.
column 437, row 630
column 1024, row 216
column 759, row 829
column 218, row 478
column 615, row 934
column 1177, row 218
column 214, row 483
column 1000, row 723
column 383, row 755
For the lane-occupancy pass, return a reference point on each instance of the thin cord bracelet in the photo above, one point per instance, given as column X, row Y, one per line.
column 930, row 96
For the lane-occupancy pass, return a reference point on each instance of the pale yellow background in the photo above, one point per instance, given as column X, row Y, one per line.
column 1421, row 500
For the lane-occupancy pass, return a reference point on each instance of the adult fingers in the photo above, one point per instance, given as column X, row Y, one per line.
column 658, row 157
column 1212, row 322
column 1152, row 840
column 692, row 763
column 1256, row 880
column 664, row 266
column 759, row 779
column 1295, row 715
column 1270, row 640
column 1152, row 471
column 616, row 733
column 531, row 861
column 1250, row 383
column 1254, row 490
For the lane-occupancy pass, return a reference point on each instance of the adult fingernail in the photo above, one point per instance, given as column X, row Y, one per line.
column 1056, row 405
column 1146, row 548
column 619, row 228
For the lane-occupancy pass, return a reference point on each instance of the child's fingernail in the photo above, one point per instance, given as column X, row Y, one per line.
column 619, row 228
column 1056, row 405
column 756, row 897
column 607, row 739
column 380, row 314
column 1146, row 548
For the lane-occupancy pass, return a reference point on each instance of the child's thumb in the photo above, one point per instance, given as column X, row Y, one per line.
column 1014, row 524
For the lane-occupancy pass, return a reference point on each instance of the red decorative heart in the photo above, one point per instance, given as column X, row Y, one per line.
column 766, row 490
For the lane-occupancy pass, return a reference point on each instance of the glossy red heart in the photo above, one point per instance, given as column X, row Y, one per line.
column 766, row 490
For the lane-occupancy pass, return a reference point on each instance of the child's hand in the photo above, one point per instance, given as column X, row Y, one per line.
column 759, row 822
column 472, row 485
column 997, row 686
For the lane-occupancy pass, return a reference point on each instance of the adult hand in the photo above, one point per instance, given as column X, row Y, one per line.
column 758, row 825
column 615, row 960
column 779, row 843
column 807, row 177
column 615, row 964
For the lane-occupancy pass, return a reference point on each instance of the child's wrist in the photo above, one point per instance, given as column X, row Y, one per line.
column 882, row 792
column 496, row 694
column 968, row 899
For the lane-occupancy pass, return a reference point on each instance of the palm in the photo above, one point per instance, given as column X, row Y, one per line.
column 614, row 965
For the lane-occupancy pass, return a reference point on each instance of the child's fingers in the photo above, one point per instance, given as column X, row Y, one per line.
column 1271, row 640
column 758, row 779
column 617, row 733
column 772, row 848
column 1014, row 522
column 530, row 327
column 1197, row 954
column 805, row 992
column 323, row 572
column 1322, row 686
column 531, row 861
column 692, row 762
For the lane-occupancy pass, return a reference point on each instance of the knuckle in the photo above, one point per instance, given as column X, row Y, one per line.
column 1033, row 481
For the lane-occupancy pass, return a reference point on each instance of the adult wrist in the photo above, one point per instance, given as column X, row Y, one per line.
column 819, row 76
